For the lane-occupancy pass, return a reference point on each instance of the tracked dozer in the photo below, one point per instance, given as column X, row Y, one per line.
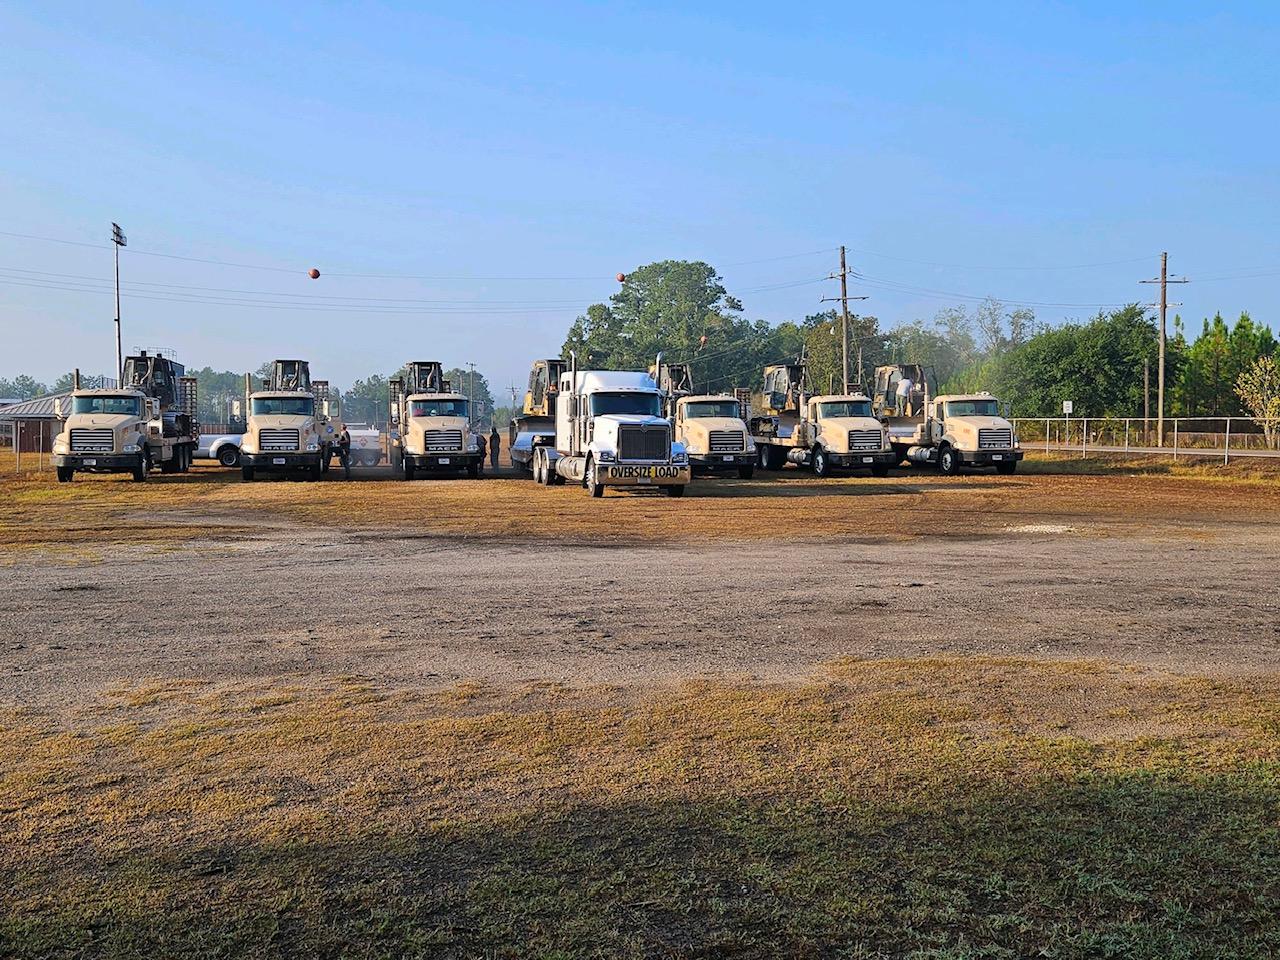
column 535, row 425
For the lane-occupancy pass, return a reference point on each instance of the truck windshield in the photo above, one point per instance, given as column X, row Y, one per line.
column 844, row 408
column 973, row 408
column 639, row 404
column 437, row 408
column 125, row 405
column 712, row 408
column 291, row 406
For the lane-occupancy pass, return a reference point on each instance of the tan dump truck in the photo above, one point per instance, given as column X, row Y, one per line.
column 829, row 432
column 288, row 428
column 710, row 425
column 149, row 422
column 431, row 425
column 950, row 431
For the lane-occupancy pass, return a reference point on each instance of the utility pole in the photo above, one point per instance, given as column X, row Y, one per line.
column 471, row 392
column 118, row 239
column 1164, row 305
column 844, row 299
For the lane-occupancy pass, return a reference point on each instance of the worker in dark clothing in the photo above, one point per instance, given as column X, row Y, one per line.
column 344, row 452
column 495, row 444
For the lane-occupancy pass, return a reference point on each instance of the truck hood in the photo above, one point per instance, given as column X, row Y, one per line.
column 835, row 430
column 116, row 421
column 631, row 419
column 438, row 423
column 707, row 424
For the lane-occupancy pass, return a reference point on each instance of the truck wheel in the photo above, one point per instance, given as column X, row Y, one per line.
column 675, row 490
column 537, row 468
column 246, row 473
column 746, row 471
column 65, row 474
column 589, row 480
column 880, row 470
column 473, row 471
column 821, row 462
column 948, row 461
column 1007, row 468
column 141, row 468
column 229, row 456
column 409, row 472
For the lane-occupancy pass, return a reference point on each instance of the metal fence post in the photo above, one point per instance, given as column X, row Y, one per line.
column 1046, row 435
column 1175, row 438
column 1226, row 450
column 1126, row 434
column 1084, row 437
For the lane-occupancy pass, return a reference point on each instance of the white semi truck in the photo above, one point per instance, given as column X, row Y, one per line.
column 610, row 432
column 149, row 422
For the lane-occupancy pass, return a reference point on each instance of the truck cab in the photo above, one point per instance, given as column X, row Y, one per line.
column 610, row 432
column 962, row 430
column 842, row 434
column 436, row 435
column 287, row 427
column 150, row 422
column 714, row 434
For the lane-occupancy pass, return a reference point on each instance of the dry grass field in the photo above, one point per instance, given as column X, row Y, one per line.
column 569, row 783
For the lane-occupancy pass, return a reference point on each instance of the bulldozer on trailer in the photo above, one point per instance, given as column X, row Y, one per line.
column 535, row 425
column 711, row 426
column 827, row 432
column 288, row 428
column 148, row 422
column 430, row 424
column 949, row 431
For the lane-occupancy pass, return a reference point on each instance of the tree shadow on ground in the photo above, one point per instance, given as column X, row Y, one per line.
column 1132, row 865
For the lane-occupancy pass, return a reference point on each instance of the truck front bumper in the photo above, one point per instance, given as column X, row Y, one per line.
column 644, row 475
column 103, row 462
column 275, row 460
column 711, row 462
column 442, row 461
column 987, row 458
column 864, row 458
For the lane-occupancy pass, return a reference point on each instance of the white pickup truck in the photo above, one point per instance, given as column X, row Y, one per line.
column 223, row 447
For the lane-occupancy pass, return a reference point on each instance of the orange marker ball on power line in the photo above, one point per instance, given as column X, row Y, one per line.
column 622, row 278
column 313, row 273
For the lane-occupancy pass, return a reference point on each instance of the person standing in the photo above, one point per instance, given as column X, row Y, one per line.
column 904, row 396
column 344, row 452
column 495, row 443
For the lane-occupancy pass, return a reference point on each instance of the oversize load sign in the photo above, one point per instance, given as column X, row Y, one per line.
column 643, row 473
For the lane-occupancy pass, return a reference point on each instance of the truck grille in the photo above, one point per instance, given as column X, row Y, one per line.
column 995, row 438
column 277, row 439
column 727, row 441
column 865, row 439
column 442, row 441
column 644, row 443
column 93, row 440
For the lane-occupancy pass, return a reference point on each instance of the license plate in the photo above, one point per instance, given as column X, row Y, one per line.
column 444, row 460
column 728, row 459
column 644, row 479
column 868, row 459
column 997, row 456
column 280, row 460
column 90, row 462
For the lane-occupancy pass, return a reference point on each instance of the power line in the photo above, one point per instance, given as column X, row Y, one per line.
column 897, row 286
column 960, row 266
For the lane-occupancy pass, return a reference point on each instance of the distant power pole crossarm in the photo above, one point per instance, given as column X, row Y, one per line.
column 1164, row 306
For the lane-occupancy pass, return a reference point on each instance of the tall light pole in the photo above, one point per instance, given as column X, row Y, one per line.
column 119, row 240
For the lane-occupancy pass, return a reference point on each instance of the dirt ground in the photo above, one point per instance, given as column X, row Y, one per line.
column 502, row 582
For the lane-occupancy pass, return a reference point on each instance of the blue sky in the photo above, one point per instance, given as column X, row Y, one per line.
column 954, row 150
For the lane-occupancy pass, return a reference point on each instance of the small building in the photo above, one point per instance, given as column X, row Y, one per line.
column 29, row 426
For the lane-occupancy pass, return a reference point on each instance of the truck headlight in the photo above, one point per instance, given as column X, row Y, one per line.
column 60, row 446
column 130, row 448
column 679, row 457
column 312, row 447
column 606, row 456
column 472, row 445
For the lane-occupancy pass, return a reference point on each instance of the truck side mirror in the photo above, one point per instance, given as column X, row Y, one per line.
column 57, row 408
column 153, row 408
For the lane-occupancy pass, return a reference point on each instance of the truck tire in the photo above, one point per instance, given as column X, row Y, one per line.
column 746, row 471
column 229, row 456
column 880, row 470
column 473, row 471
column 537, row 469
column 141, row 468
column 948, row 461
column 821, row 462
column 409, row 472
column 1007, row 468
column 675, row 490
column 246, row 473
column 589, row 480
column 65, row 474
